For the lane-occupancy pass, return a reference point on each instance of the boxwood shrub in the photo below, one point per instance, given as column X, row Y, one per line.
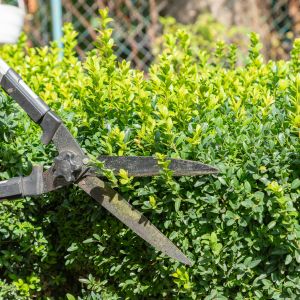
column 241, row 227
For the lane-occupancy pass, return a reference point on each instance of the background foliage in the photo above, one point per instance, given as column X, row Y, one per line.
column 205, row 34
column 241, row 227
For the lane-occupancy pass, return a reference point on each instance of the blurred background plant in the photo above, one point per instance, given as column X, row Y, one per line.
column 137, row 23
column 206, row 35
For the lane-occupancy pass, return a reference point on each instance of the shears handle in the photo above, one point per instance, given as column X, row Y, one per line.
column 11, row 189
column 34, row 106
column 19, row 187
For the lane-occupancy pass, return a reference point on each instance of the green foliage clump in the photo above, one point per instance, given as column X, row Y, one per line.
column 207, row 35
column 240, row 227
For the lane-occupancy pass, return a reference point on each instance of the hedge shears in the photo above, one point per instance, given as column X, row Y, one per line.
column 73, row 166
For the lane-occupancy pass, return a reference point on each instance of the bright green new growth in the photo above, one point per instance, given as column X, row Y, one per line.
column 241, row 227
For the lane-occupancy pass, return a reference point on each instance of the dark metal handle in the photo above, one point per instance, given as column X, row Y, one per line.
column 34, row 106
column 14, row 86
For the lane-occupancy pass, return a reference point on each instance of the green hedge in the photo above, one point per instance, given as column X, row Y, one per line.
column 206, row 32
column 241, row 227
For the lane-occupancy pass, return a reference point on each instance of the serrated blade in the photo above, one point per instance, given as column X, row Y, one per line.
column 142, row 166
column 122, row 210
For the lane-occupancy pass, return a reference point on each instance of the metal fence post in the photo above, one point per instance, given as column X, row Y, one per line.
column 56, row 13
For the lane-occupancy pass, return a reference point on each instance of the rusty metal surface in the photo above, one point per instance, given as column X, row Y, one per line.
column 138, row 166
column 64, row 141
column 132, row 218
column 51, row 183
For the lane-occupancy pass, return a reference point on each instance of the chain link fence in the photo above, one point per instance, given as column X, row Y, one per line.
column 38, row 24
column 136, row 25
column 284, row 19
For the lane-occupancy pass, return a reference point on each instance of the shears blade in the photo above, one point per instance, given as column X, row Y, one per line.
column 144, row 166
column 132, row 218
